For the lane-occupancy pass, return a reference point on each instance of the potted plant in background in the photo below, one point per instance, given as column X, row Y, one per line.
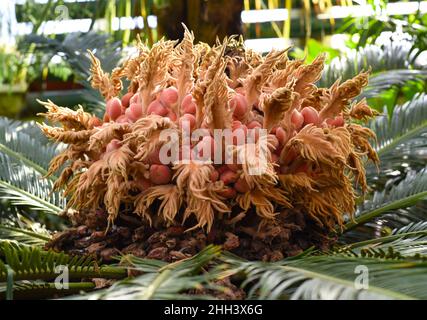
column 13, row 85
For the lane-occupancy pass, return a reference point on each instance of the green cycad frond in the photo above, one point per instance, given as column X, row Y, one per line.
column 23, row 186
column 32, row 263
column 406, row 216
column 407, row 241
column 41, row 289
column 391, row 56
column 384, row 225
column 333, row 277
column 74, row 49
column 30, row 148
column 390, row 64
column 25, row 236
column 397, row 133
column 385, row 80
column 8, row 214
column 405, row 194
column 165, row 281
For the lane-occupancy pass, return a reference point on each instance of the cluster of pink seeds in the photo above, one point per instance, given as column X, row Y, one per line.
column 128, row 109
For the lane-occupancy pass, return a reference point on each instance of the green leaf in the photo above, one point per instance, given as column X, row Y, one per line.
column 333, row 277
column 410, row 240
column 25, row 236
column 22, row 186
column 29, row 148
column 407, row 193
column 32, row 263
column 393, row 55
column 41, row 289
column 160, row 280
column 398, row 133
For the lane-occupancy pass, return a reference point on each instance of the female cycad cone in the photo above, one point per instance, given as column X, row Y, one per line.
column 314, row 157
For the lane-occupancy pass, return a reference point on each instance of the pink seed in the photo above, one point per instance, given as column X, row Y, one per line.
column 281, row 135
column 239, row 106
column 235, row 124
column 168, row 96
column 254, row 124
column 114, row 108
column 113, row 145
column 310, row 115
column 154, row 157
column 228, row 177
column 214, row 176
column 172, row 115
column 128, row 115
column 273, row 130
column 188, row 104
column 337, row 122
column 241, row 186
column 240, row 90
column 134, row 98
column 134, row 112
column 106, row 117
column 160, row 174
column 189, row 120
column 297, row 119
column 156, row 107
column 126, row 99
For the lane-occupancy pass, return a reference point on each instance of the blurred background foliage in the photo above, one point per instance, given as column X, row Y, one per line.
column 45, row 41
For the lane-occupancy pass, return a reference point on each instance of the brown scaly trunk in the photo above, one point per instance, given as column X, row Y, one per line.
column 291, row 236
column 209, row 19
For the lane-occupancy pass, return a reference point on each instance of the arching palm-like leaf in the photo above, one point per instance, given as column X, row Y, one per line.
column 166, row 281
column 74, row 51
column 334, row 277
column 402, row 132
column 384, row 224
column 23, row 186
column 42, row 289
column 407, row 193
column 391, row 65
column 25, row 236
column 409, row 240
column 394, row 55
column 32, row 263
column 21, row 143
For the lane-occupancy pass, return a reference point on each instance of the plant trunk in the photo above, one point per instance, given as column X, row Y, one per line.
column 208, row 19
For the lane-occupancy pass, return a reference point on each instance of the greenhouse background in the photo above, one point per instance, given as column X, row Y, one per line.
column 34, row 32
column 46, row 49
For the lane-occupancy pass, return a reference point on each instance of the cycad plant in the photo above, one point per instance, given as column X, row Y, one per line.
column 115, row 249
